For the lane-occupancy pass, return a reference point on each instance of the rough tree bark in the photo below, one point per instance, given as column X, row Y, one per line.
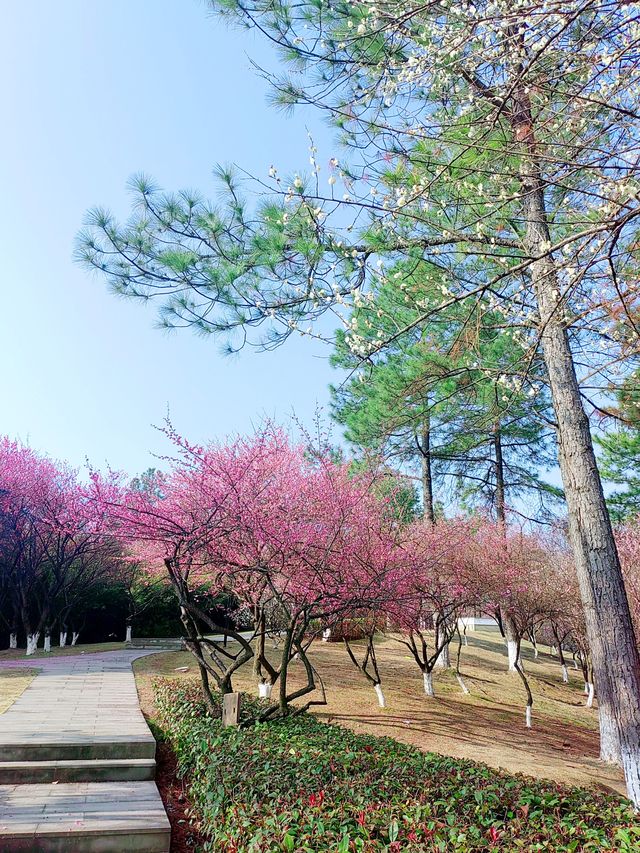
column 286, row 655
column 499, row 472
column 615, row 658
column 424, row 445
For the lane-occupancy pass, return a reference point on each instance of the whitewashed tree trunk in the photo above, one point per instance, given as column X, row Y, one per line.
column 13, row 641
column 63, row 639
column 127, row 639
column 32, row 642
column 511, row 638
column 512, row 654
column 427, row 680
column 443, row 661
column 380, row 695
column 609, row 740
column 463, row 686
column 264, row 689
column 565, row 674
column 590, row 693
column 74, row 637
column 326, row 634
column 528, row 716
column 47, row 642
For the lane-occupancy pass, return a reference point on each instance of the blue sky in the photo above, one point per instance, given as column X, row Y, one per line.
column 93, row 91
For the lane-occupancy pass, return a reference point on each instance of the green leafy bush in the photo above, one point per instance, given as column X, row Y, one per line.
column 302, row 785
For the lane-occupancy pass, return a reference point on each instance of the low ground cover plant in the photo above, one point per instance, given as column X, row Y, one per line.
column 298, row 784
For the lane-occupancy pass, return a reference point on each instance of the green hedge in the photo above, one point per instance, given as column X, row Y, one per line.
column 302, row 785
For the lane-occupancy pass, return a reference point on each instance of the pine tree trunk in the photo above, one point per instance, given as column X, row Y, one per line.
column 427, row 480
column 615, row 659
column 499, row 471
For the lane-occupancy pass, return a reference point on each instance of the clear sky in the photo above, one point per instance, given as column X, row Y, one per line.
column 93, row 91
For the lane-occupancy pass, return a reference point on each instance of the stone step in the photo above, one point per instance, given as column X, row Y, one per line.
column 92, row 817
column 101, row 770
column 52, row 749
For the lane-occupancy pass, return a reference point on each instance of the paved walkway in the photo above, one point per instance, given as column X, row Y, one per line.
column 76, row 699
column 79, row 720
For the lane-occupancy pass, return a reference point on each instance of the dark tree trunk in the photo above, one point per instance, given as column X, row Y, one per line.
column 499, row 471
column 259, row 627
column 527, row 687
column 283, row 702
column 192, row 636
column 427, row 480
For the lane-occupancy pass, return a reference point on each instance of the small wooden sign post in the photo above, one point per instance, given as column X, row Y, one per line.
column 231, row 710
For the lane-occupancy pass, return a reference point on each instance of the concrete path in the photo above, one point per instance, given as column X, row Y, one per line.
column 77, row 760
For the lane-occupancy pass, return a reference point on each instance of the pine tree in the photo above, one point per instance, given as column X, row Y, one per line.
column 445, row 398
column 516, row 121
column 620, row 454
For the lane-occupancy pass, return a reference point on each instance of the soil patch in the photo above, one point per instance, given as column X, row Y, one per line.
column 185, row 837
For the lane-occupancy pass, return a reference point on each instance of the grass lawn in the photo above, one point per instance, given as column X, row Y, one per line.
column 56, row 651
column 13, row 682
column 487, row 725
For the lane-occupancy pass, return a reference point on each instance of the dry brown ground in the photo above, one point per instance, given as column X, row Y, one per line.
column 488, row 725
column 13, row 682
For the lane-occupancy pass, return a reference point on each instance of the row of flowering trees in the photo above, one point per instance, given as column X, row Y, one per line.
column 297, row 542
column 53, row 549
column 301, row 546
column 305, row 546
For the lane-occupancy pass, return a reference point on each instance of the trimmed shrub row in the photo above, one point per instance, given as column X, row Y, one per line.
column 299, row 784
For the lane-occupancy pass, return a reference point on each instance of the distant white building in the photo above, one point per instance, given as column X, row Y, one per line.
column 472, row 623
